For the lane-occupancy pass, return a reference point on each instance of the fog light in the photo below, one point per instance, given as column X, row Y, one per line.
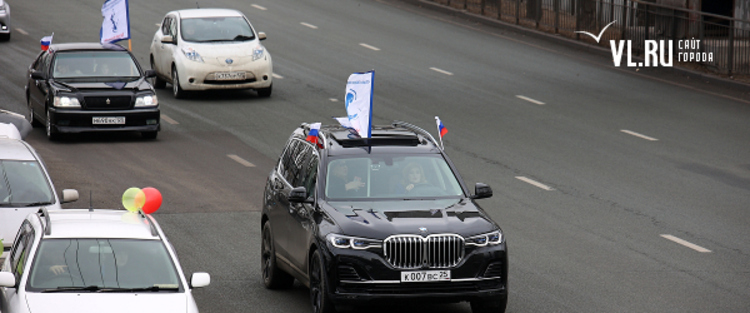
column 151, row 122
column 265, row 77
column 191, row 80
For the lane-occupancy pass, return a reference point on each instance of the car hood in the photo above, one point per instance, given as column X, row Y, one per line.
column 136, row 85
column 107, row 302
column 223, row 48
column 380, row 219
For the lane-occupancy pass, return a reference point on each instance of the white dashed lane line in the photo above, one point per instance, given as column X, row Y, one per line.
column 333, row 99
column 277, row 76
column 168, row 120
column 308, row 25
column 632, row 133
column 23, row 32
column 530, row 100
column 441, row 71
column 258, row 7
column 534, row 183
column 373, row 48
column 240, row 160
column 686, row 243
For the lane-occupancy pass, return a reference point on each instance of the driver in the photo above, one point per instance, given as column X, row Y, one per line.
column 413, row 176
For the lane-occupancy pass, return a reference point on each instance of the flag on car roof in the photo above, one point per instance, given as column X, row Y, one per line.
column 312, row 135
column 441, row 129
column 115, row 21
column 359, row 102
column 46, row 41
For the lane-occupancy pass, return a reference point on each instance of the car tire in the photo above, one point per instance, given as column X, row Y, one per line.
column 321, row 303
column 489, row 306
column 5, row 37
column 158, row 82
column 52, row 134
column 149, row 135
column 273, row 277
column 30, row 116
column 176, row 88
column 265, row 92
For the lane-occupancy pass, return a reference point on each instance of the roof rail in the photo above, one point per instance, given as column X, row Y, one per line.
column 306, row 126
column 47, row 225
column 151, row 225
column 418, row 130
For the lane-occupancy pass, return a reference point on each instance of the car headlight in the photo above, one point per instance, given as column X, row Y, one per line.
column 347, row 242
column 66, row 102
column 482, row 240
column 192, row 55
column 258, row 53
column 146, row 101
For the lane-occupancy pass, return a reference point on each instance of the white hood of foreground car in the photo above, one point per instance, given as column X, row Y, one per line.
column 74, row 302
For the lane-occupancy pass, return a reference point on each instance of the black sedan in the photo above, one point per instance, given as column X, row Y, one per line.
column 91, row 87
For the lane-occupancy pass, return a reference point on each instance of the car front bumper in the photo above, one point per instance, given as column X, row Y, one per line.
column 203, row 76
column 80, row 121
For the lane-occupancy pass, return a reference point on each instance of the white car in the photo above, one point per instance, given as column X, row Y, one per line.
column 25, row 186
column 201, row 49
column 93, row 260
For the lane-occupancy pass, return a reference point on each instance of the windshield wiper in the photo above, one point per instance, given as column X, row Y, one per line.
column 38, row 203
column 243, row 38
column 91, row 288
column 152, row 288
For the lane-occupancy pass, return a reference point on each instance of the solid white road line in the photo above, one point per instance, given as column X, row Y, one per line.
column 277, row 76
column 535, row 183
column 23, row 32
column 441, row 71
column 309, row 25
column 369, row 47
column 240, row 160
column 530, row 100
column 685, row 243
column 169, row 120
column 629, row 132
column 258, row 7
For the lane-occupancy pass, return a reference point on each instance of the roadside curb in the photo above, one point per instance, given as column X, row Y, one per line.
column 570, row 43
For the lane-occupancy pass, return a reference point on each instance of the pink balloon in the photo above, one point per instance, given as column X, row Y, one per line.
column 153, row 200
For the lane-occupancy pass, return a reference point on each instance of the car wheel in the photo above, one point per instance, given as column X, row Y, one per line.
column 321, row 303
column 51, row 132
column 265, row 92
column 273, row 277
column 149, row 135
column 30, row 116
column 158, row 82
column 5, row 37
column 176, row 89
column 489, row 306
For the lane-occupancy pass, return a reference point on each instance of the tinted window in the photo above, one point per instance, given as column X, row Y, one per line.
column 21, row 249
column 95, row 64
column 23, row 183
column 216, row 29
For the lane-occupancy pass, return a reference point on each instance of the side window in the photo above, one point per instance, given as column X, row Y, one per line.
column 39, row 63
column 300, row 160
column 21, row 250
column 311, row 173
column 165, row 25
column 286, row 159
column 173, row 27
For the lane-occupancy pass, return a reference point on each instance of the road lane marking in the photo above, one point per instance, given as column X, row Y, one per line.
column 369, row 47
column 168, row 119
column 630, row 132
column 441, row 71
column 309, row 25
column 333, row 99
column 240, row 160
column 530, row 100
column 158, row 24
column 685, row 243
column 277, row 76
column 23, row 32
column 535, row 183
column 258, row 7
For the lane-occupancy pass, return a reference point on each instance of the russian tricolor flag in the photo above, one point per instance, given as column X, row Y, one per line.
column 46, row 41
column 312, row 136
column 440, row 127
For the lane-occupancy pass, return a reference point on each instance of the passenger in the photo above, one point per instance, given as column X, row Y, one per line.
column 338, row 185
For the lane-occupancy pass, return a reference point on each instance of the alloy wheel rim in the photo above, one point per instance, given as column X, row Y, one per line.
column 175, row 83
column 315, row 281
column 49, row 125
column 266, row 256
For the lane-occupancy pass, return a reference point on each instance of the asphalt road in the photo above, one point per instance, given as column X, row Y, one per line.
column 618, row 191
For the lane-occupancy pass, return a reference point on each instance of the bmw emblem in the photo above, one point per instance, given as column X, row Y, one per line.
column 229, row 61
column 423, row 229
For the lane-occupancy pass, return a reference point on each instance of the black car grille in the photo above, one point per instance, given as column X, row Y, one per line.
column 434, row 251
column 108, row 103
column 348, row 273
column 495, row 269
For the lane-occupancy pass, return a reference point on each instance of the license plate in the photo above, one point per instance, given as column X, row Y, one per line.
column 230, row 76
column 109, row 120
column 421, row 276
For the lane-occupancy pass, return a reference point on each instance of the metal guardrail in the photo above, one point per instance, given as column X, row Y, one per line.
column 725, row 39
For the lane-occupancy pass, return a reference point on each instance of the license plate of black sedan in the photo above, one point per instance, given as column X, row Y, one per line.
column 230, row 76
column 425, row 276
column 108, row 120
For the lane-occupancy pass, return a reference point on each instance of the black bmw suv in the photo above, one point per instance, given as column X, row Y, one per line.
column 387, row 218
column 91, row 87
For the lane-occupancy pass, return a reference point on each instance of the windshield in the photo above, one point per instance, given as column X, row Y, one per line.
column 391, row 177
column 102, row 263
column 216, row 29
column 23, row 183
column 94, row 64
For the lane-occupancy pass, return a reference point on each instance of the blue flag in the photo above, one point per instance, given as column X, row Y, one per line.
column 115, row 21
column 359, row 102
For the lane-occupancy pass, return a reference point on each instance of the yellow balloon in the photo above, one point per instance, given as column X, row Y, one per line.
column 133, row 199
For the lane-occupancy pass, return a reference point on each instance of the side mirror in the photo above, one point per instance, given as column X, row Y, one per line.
column 150, row 73
column 7, row 279
column 262, row 36
column 167, row 39
column 299, row 195
column 69, row 195
column 200, row 280
column 37, row 75
column 482, row 191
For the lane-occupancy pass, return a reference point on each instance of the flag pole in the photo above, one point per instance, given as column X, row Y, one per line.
column 130, row 45
column 437, row 124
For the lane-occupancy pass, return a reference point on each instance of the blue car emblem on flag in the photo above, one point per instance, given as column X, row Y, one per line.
column 229, row 61
column 351, row 96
